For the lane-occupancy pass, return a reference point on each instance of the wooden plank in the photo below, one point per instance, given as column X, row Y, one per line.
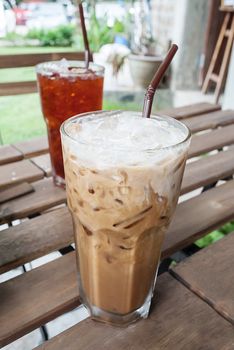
column 209, row 274
column 15, row 192
column 211, row 140
column 210, row 120
column 44, row 163
column 25, row 242
column 18, row 88
column 178, row 320
column 31, row 59
column 46, row 195
column 37, row 297
column 33, row 147
column 9, row 154
column 198, row 216
column 214, row 208
column 207, row 170
column 190, row 110
column 213, row 203
column 197, row 174
column 17, row 172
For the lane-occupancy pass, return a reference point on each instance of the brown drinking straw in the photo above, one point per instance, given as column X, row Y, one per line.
column 149, row 95
column 88, row 56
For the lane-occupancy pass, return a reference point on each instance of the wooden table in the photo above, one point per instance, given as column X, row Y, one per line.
column 193, row 305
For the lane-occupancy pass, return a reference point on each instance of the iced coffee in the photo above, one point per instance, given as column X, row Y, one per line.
column 123, row 175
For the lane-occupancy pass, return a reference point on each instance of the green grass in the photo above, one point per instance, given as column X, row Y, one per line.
column 20, row 118
column 112, row 105
column 215, row 235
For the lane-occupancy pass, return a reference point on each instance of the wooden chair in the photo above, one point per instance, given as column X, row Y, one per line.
column 26, row 87
column 222, row 49
column 29, row 60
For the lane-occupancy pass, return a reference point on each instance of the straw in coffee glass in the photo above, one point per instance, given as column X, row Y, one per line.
column 149, row 95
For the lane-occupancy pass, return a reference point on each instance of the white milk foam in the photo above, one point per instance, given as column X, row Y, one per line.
column 124, row 138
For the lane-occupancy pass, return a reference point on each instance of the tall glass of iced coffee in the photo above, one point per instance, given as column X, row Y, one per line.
column 123, row 175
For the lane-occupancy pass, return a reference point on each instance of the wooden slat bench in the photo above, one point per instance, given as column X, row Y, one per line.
column 43, row 162
column 210, row 121
column 52, row 278
column 209, row 274
column 34, row 147
column 15, row 192
column 25, row 242
column 205, row 172
column 31, row 59
column 208, row 170
column 198, row 216
column 15, row 173
column 193, row 325
column 45, row 196
column 51, row 287
column 191, row 110
column 22, row 150
column 18, row 88
column 211, row 141
column 38, row 296
column 9, row 154
column 56, row 228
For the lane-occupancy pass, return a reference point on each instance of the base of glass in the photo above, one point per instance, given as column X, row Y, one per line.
column 59, row 181
column 115, row 319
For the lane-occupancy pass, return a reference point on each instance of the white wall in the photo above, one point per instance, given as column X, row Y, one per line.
column 189, row 32
column 184, row 22
column 163, row 15
column 228, row 99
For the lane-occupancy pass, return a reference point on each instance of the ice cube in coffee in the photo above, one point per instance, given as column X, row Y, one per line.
column 123, row 175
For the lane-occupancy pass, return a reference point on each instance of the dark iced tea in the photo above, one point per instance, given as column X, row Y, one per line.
column 66, row 89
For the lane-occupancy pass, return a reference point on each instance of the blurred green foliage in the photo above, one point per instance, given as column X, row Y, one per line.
column 99, row 33
column 59, row 36
column 215, row 235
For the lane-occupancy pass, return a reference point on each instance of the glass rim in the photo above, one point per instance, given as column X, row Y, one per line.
column 43, row 67
column 84, row 115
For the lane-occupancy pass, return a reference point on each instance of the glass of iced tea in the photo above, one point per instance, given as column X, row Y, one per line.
column 66, row 88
